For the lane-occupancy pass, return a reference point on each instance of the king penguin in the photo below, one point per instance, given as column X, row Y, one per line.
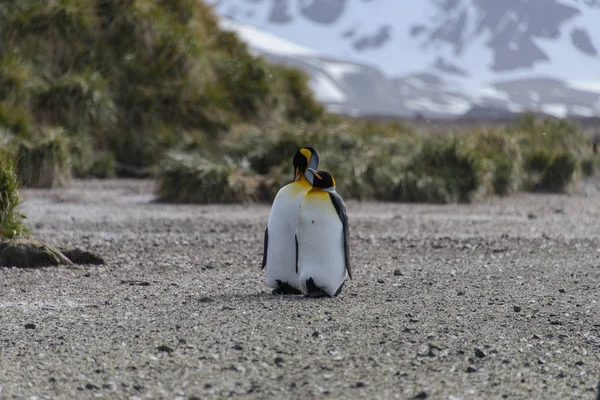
column 322, row 239
column 279, row 255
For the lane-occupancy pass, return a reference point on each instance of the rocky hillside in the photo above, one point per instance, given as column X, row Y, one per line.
column 435, row 58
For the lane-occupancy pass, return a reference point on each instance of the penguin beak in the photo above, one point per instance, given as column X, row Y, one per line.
column 309, row 175
column 315, row 173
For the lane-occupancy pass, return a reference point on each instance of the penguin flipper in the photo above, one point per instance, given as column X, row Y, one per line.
column 340, row 207
column 296, row 240
column 266, row 246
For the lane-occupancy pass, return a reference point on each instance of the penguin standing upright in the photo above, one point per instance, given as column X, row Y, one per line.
column 322, row 239
column 279, row 255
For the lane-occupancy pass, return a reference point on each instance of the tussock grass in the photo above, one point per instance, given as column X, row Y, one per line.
column 136, row 77
column 188, row 178
column 44, row 161
column 11, row 219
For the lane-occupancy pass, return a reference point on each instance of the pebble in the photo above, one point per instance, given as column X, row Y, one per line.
column 164, row 349
column 517, row 309
column 479, row 353
column 471, row 369
column 397, row 272
column 206, row 300
column 29, row 326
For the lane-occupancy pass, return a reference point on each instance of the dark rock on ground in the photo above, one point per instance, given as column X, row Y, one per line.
column 479, row 353
column 164, row 349
column 78, row 256
column 27, row 253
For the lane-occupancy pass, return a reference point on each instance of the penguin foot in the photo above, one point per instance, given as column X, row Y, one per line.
column 313, row 290
column 285, row 288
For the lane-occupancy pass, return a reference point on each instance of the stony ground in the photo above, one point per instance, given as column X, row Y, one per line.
column 489, row 301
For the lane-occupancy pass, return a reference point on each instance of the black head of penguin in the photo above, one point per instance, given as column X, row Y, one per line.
column 322, row 179
column 306, row 157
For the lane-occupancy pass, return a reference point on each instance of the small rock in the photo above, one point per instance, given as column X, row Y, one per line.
column 359, row 384
column 460, row 293
column 52, row 379
column 479, row 353
column 561, row 290
column 541, row 362
column 139, row 388
column 164, row 349
column 135, row 283
column 421, row 395
column 579, row 363
column 315, row 334
column 90, row 386
column 182, row 341
column 227, row 308
column 397, row 272
column 537, row 337
column 29, row 326
column 278, row 360
column 517, row 309
column 380, row 281
column 531, row 216
column 236, row 347
column 206, row 300
column 471, row 369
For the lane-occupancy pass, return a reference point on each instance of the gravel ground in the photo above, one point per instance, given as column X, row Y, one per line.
column 488, row 301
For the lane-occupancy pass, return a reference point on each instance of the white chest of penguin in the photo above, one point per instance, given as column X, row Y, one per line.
column 281, row 257
column 320, row 236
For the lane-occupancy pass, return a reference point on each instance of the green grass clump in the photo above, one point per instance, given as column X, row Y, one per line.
column 502, row 157
column 44, row 161
column 190, row 178
column 558, row 174
column 136, row 77
column 421, row 188
column 553, row 151
column 11, row 220
column 442, row 171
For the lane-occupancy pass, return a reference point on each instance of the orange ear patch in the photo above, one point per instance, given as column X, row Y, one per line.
column 306, row 153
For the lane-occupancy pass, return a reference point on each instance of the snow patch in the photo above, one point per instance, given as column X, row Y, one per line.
column 593, row 86
column 325, row 90
column 555, row 109
column 263, row 40
column 583, row 111
column 338, row 70
column 454, row 106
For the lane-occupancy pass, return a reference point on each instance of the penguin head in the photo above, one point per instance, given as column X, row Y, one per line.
column 306, row 157
column 322, row 180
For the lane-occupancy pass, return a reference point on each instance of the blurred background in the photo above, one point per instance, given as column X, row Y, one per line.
column 438, row 101
column 433, row 58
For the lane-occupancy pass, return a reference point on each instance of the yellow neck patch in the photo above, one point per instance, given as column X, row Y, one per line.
column 299, row 186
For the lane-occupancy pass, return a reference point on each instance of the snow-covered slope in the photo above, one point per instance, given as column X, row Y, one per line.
column 432, row 57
